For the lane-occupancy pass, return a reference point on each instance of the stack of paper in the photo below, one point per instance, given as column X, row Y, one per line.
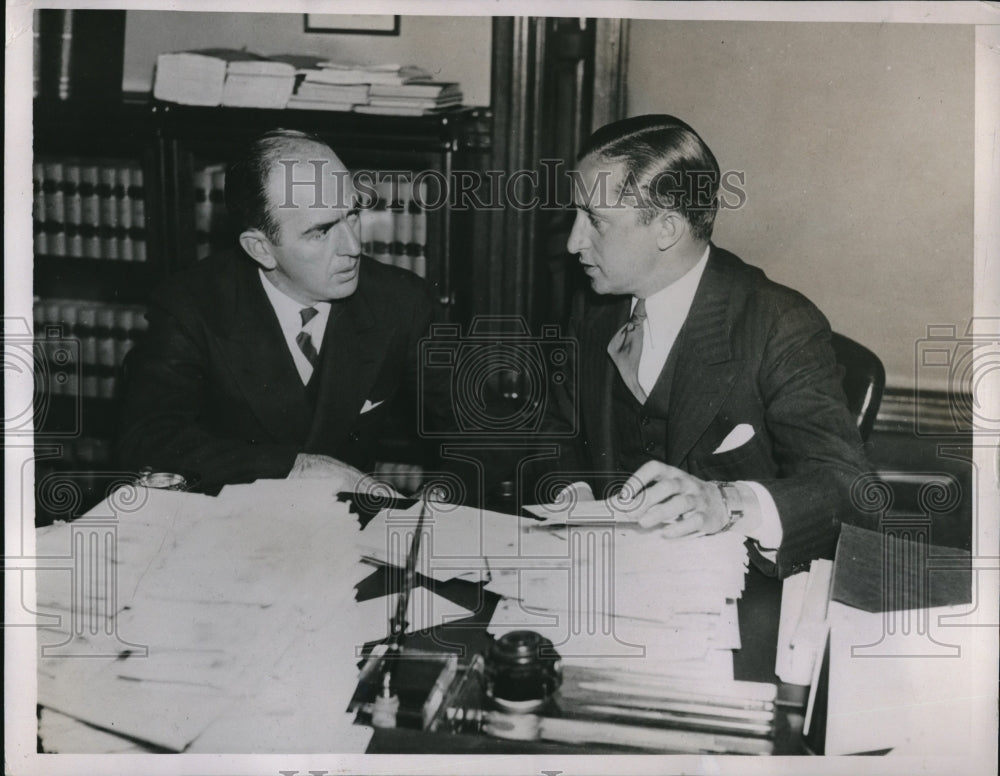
column 412, row 98
column 605, row 592
column 339, row 73
column 168, row 621
column 310, row 95
column 223, row 77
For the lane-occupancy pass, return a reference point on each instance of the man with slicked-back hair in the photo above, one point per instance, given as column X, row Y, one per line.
column 713, row 387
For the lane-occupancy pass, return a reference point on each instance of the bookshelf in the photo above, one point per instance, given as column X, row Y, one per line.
column 128, row 192
column 396, row 230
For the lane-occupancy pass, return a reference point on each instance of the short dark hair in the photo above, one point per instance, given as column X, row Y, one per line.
column 247, row 178
column 669, row 160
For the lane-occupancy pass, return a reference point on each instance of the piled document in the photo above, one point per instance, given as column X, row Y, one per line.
column 310, row 95
column 606, row 593
column 414, row 98
column 192, row 623
column 337, row 73
column 223, row 77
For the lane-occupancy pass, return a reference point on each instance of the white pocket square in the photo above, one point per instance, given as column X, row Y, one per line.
column 370, row 405
column 740, row 435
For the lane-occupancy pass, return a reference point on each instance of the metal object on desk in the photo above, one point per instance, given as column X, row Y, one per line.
column 523, row 670
column 147, row 478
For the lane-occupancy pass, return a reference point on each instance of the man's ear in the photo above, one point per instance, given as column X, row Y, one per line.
column 258, row 247
column 671, row 228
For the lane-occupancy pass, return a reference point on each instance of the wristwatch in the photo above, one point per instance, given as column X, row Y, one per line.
column 732, row 502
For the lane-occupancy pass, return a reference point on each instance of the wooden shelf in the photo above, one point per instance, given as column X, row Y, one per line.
column 101, row 280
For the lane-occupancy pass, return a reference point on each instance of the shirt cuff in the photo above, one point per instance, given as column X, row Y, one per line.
column 768, row 533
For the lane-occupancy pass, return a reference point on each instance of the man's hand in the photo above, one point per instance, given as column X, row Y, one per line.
column 658, row 494
column 574, row 493
column 311, row 466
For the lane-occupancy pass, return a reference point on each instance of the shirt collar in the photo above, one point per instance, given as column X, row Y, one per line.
column 286, row 308
column 677, row 297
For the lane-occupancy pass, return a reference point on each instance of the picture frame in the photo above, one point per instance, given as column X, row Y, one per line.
column 352, row 24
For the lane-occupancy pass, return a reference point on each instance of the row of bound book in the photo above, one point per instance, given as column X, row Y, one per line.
column 80, row 346
column 89, row 208
column 393, row 228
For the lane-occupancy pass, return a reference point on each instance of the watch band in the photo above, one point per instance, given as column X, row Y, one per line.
column 732, row 504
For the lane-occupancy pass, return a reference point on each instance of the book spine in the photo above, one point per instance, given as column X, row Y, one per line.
column 64, row 378
column 90, row 211
column 104, row 334
column 36, row 53
column 87, row 333
column 55, row 207
column 41, row 238
column 46, row 316
column 123, row 204
column 108, row 210
column 123, row 333
column 73, row 201
column 65, row 54
column 137, row 192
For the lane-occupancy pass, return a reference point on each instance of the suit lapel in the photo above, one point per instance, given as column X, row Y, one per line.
column 704, row 371
column 354, row 345
column 261, row 362
column 600, row 372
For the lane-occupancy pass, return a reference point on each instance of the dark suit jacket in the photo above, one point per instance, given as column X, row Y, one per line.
column 213, row 390
column 754, row 352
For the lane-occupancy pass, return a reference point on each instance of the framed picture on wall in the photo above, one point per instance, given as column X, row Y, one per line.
column 354, row 24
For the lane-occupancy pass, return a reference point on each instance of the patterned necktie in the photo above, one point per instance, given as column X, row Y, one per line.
column 625, row 349
column 303, row 338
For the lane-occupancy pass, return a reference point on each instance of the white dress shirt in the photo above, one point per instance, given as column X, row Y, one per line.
column 289, row 318
column 666, row 311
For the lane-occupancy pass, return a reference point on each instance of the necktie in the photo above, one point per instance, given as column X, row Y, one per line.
column 625, row 349
column 303, row 338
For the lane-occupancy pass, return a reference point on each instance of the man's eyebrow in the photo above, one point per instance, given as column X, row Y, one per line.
column 327, row 225
column 324, row 226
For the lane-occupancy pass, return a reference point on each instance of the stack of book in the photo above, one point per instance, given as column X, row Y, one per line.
column 316, row 95
column 412, row 99
column 327, row 85
column 223, row 77
column 300, row 81
column 89, row 208
column 80, row 345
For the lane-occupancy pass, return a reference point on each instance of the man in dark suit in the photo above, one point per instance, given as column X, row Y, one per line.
column 714, row 386
column 284, row 358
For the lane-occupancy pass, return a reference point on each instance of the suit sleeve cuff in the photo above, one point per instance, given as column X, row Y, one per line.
column 764, row 522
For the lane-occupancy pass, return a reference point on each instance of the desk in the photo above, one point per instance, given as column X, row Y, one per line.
column 311, row 530
column 759, row 610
